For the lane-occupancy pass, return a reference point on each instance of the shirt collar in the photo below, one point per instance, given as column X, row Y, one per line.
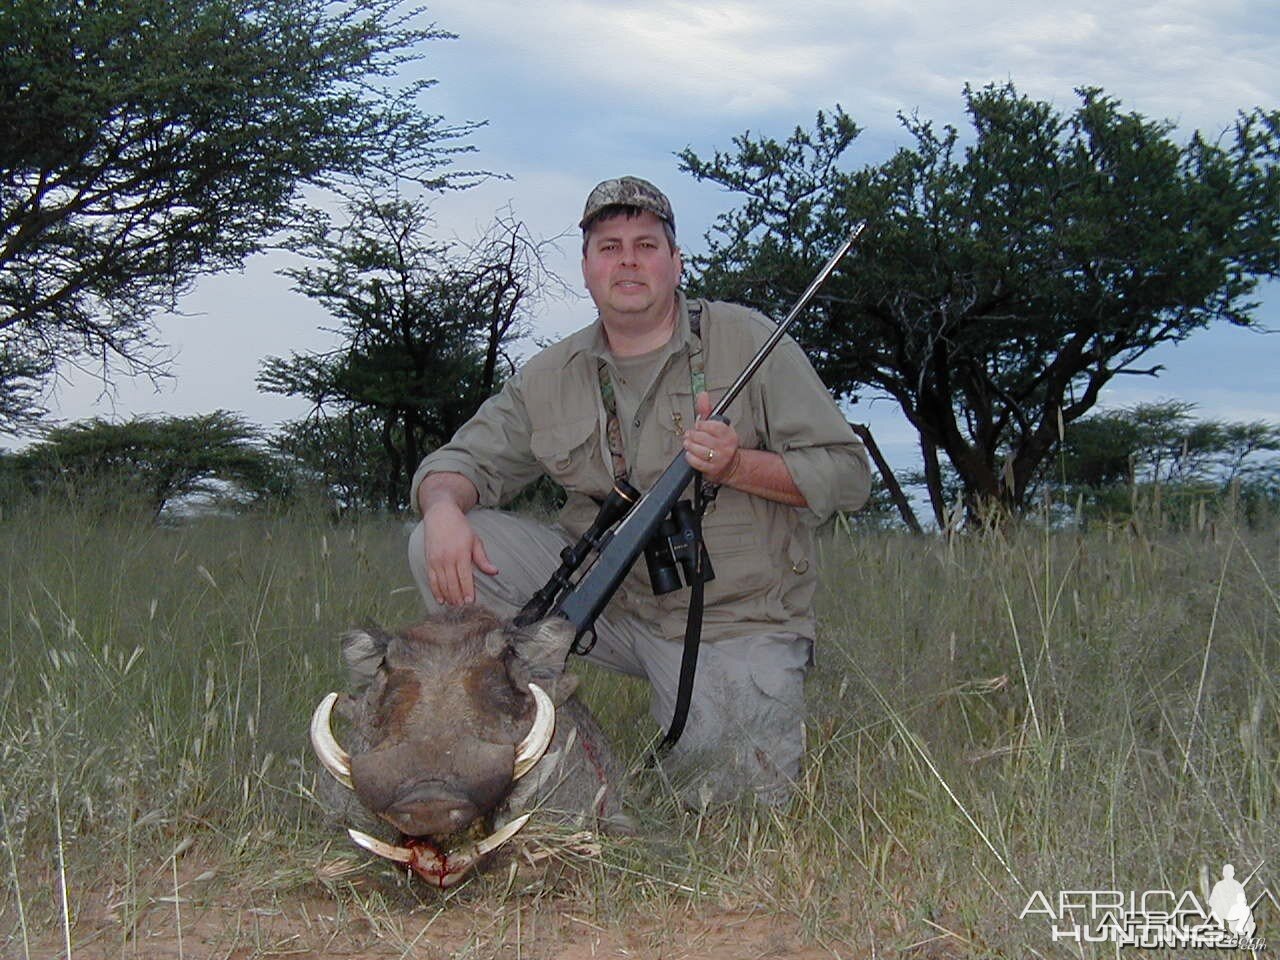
column 681, row 340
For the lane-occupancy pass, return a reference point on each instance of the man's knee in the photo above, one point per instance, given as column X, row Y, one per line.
column 523, row 550
column 746, row 729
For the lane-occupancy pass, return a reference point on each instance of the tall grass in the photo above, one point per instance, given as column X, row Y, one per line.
column 990, row 716
column 156, row 686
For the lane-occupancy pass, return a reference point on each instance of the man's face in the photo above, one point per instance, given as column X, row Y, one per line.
column 631, row 269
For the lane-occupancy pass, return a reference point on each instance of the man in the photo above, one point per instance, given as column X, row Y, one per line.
column 621, row 399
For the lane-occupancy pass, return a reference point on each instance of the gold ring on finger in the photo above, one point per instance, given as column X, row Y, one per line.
column 711, row 454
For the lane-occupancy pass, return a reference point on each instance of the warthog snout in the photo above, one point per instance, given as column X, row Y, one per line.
column 444, row 801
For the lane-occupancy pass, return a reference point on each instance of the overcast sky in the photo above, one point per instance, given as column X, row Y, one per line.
column 575, row 91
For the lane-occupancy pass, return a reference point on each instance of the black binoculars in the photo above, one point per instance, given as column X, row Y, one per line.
column 669, row 552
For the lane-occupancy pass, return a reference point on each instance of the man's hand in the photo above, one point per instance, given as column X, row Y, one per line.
column 711, row 447
column 452, row 545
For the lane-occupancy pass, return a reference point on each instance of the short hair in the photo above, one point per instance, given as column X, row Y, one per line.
column 630, row 212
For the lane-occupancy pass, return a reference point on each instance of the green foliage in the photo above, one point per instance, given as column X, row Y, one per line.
column 879, row 513
column 1153, row 453
column 1088, row 709
column 147, row 142
column 1153, row 442
column 341, row 459
column 424, row 328
column 155, row 681
column 158, row 461
column 1004, row 281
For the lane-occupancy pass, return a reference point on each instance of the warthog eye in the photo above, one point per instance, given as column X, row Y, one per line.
column 500, row 706
column 395, row 698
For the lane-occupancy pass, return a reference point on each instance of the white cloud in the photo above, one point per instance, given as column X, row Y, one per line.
column 741, row 56
column 1194, row 61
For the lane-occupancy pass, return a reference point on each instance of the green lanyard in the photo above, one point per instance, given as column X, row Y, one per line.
column 613, row 426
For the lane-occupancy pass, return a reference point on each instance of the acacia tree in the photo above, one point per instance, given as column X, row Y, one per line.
column 1004, row 281
column 144, row 143
column 338, row 457
column 1163, row 443
column 161, row 459
column 1107, row 457
column 422, row 328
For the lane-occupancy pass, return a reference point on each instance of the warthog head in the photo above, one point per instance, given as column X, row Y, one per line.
column 445, row 717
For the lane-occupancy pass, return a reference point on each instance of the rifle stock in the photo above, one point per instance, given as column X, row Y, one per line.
column 582, row 603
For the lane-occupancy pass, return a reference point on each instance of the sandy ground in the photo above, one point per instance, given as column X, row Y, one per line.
column 310, row 929
column 216, row 920
column 315, row 927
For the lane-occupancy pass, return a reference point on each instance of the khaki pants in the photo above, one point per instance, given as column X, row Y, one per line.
column 745, row 731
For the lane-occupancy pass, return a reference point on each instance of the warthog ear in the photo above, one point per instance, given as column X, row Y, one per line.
column 540, row 654
column 495, row 644
column 363, row 651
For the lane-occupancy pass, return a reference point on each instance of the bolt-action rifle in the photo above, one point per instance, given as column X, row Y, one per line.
column 642, row 516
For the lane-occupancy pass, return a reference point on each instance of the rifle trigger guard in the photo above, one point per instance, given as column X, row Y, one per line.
column 583, row 644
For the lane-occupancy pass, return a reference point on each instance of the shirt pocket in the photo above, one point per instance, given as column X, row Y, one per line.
column 740, row 414
column 674, row 416
column 568, row 451
column 742, row 562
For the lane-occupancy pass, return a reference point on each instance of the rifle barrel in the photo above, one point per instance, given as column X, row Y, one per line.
column 735, row 388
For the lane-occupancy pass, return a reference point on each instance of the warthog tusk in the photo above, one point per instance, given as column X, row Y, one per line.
column 458, row 862
column 535, row 743
column 332, row 757
column 443, row 871
column 387, row 851
column 501, row 835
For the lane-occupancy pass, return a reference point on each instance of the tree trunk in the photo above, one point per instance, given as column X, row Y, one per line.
column 396, row 461
column 886, row 474
column 933, row 480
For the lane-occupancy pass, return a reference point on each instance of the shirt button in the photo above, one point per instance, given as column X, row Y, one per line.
column 800, row 566
column 635, row 422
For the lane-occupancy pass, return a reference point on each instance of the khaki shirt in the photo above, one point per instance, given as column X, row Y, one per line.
column 550, row 419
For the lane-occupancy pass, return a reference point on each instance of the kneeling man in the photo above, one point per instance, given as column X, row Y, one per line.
column 620, row 399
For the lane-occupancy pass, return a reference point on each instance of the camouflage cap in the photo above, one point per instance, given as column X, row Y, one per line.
column 628, row 192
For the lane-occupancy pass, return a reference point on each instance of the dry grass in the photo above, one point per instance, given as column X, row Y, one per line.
column 990, row 716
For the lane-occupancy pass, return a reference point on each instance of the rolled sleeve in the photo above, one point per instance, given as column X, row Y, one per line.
column 832, row 477
column 828, row 463
column 491, row 450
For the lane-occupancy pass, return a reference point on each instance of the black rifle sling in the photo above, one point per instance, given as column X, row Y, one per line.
column 692, row 629
column 693, row 625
